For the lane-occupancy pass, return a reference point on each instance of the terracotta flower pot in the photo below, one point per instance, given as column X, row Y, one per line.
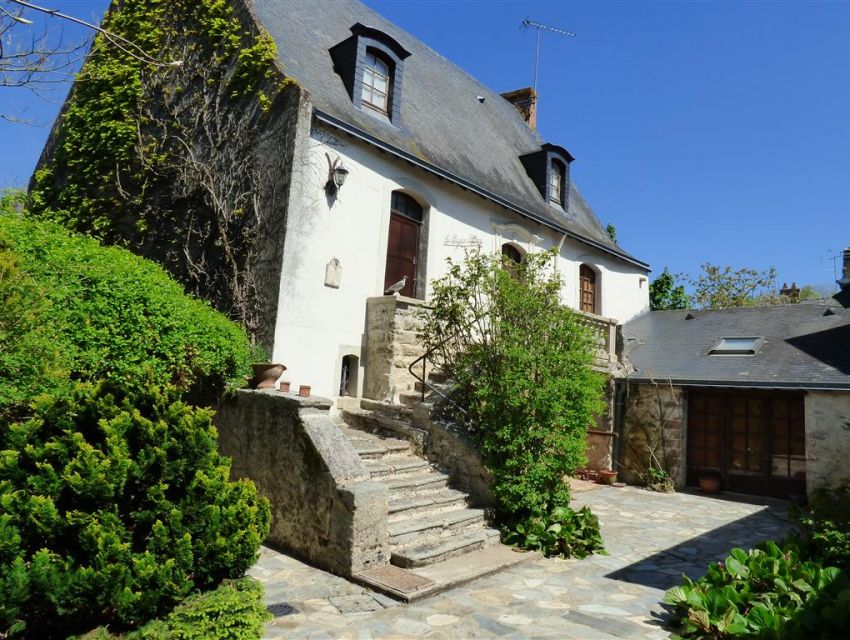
column 266, row 374
column 606, row 476
column 304, row 391
column 284, row 387
column 710, row 484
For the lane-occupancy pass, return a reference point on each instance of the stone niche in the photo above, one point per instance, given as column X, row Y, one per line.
column 392, row 344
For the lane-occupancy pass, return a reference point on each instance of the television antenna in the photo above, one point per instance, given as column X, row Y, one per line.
column 531, row 24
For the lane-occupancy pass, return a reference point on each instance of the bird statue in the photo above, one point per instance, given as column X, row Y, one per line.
column 398, row 286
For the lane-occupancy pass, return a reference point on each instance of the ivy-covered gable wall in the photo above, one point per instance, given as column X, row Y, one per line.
column 186, row 160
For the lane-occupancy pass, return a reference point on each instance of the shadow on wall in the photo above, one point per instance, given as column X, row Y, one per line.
column 831, row 347
column 692, row 557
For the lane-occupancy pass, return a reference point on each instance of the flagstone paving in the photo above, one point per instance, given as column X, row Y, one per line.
column 651, row 539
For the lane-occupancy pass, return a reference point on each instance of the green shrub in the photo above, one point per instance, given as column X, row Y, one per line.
column 114, row 506
column 563, row 532
column 826, row 527
column 769, row 593
column 234, row 611
column 112, row 315
column 519, row 362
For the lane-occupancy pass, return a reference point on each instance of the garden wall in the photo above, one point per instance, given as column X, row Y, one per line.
column 827, row 439
column 325, row 509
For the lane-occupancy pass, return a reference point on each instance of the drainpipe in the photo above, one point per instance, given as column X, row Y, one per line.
column 560, row 245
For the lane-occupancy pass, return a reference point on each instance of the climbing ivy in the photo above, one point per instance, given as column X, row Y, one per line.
column 105, row 163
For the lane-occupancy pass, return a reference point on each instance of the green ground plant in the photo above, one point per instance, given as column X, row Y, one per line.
column 519, row 362
column 114, row 506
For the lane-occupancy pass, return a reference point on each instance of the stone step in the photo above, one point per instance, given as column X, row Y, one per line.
column 379, row 424
column 417, row 482
column 443, row 549
column 410, row 398
column 405, row 505
column 388, row 409
column 437, row 376
column 433, row 527
column 396, row 466
column 369, row 445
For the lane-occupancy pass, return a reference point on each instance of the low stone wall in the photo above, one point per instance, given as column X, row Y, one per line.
column 391, row 345
column 325, row 509
column 827, row 439
column 653, row 422
column 450, row 448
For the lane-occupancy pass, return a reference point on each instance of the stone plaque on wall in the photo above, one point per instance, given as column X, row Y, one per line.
column 333, row 273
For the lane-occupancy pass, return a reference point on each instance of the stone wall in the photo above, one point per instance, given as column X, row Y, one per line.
column 653, row 421
column 391, row 345
column 325, row 509
column 827, row 439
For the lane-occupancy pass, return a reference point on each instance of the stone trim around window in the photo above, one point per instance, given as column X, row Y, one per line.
column 349, row 58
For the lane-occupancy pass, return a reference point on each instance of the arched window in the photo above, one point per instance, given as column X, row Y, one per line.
column 348, row 375
column 588, row 289
column 377, row 82
column 510, row 252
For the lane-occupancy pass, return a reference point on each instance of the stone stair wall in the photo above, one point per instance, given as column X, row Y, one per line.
column 326, row 509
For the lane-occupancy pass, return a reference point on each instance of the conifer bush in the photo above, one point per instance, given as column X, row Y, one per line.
column 114, row 506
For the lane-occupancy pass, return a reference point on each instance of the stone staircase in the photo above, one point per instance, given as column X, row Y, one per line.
column 428, row 521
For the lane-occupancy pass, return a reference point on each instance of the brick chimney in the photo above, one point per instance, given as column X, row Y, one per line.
column 525, row 101
column 792, row 292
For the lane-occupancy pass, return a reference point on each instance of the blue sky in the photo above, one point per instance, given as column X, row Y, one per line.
column 705, row 131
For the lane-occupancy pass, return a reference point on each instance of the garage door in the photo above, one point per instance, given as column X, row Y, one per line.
column 754, row 440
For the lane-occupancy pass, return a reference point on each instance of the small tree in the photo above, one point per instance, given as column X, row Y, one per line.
column 723, row 287
column 664, row 293
column 520, row 363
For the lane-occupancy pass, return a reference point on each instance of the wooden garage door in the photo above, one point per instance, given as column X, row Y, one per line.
column 754, row 440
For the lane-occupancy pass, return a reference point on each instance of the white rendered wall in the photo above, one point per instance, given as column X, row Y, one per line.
column 318, row 324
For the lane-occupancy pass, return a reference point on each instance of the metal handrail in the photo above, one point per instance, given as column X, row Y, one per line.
column 424, row 382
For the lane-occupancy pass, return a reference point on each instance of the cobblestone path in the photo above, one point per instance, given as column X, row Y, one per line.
column 651, row 540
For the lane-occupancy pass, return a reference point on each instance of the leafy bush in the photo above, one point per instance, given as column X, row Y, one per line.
column 563, row 532
column 114, row 506
column 826, row 527
column 656, row 479
column 106, row 314
column 769, row 593
column 520, row 365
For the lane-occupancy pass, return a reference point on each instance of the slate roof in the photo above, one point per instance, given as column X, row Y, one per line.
column 444, row 127
column 806, row 346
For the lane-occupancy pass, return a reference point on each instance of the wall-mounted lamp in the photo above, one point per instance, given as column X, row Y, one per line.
column 337, row 173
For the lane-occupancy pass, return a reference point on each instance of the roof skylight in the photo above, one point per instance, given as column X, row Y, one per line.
column 735, row 347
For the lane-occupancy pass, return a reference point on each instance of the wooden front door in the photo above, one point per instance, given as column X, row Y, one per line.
column 754, row 440
column 402, row 253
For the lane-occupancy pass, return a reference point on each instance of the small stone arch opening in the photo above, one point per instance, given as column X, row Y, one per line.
column 348, row 375
column 512, row 253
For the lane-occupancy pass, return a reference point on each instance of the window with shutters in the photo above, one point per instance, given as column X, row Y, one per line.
column 588, row 289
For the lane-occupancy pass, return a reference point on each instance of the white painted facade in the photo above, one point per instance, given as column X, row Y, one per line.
column 318, row 324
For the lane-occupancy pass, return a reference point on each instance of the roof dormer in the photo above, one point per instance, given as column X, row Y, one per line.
column 549, row 169
column 371, row 66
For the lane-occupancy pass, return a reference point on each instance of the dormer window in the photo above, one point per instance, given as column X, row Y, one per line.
column 549, row 169
column 377, row 82
column 556, row 183
column 371, row 66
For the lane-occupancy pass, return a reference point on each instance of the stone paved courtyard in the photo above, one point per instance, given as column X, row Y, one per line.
column 651, row 539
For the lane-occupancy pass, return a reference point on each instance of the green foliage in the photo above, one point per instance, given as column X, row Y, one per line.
column 114, row 506
column 769, row 593
column 722, row 287
column 563, row 532
column 520, row 366
column 108, row 159
column 656, row 479
column 664, row 293
column 826, row 527
column 611, row 230
column 73, row 306
column 234, row 611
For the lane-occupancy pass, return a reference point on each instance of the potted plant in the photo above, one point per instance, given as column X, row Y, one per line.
column 710, row 483
column 607, row 476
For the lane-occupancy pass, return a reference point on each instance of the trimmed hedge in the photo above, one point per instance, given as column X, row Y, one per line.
column 111, row 316
column 114, row 506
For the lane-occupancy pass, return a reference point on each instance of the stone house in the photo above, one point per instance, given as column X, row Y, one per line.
column 429, row 163
column 757, row 396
